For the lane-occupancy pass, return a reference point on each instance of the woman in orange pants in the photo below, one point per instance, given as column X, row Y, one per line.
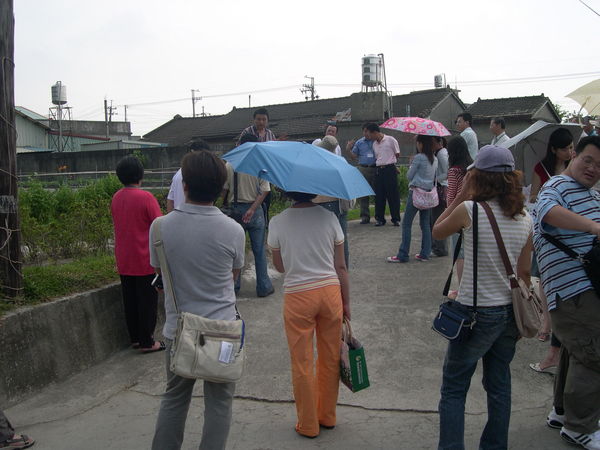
column 308, row 246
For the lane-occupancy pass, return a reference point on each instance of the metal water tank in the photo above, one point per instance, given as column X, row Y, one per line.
column 438, row 81
column 59, row 93
column 372, row 70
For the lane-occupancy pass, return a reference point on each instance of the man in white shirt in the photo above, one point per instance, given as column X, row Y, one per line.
column 497, row 127
column 175, row 198
column 331, row 130
column 463, row 124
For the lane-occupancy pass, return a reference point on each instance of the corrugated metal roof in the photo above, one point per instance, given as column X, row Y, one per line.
column 29, row 113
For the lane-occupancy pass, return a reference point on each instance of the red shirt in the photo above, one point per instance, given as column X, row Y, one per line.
column 133, row 211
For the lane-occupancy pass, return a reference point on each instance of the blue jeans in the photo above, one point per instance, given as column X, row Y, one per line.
column 493, row 339
column 424, row 218
column 256, row 231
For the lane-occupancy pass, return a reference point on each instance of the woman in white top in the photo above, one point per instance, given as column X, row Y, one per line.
column 308, row 246
column 494, row 335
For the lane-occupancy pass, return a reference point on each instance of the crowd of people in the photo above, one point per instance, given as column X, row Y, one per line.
column 308, row 241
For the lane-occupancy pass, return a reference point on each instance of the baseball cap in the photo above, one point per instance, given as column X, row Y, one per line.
column 492, row 158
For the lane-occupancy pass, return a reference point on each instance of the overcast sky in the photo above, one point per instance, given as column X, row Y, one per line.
column 140, row 51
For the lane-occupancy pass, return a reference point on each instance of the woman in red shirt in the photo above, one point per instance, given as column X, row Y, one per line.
column 133, row 211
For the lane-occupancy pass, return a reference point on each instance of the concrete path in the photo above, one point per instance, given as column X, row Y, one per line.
column 114, row 405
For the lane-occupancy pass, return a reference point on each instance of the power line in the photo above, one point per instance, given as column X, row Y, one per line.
column 588, row 7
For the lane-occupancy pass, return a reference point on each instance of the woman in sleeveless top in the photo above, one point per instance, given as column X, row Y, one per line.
column 495, row 334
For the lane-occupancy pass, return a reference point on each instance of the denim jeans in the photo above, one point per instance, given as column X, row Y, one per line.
column 493, row 340
column 424, row 218
column 334, row 207
column 256, row 231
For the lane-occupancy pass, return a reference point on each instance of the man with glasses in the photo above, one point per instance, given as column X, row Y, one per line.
column 568, row 209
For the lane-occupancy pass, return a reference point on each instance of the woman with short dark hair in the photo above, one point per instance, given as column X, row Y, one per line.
column 133, row 211
column 307, row 244
column 204, row 250
column 494, row 335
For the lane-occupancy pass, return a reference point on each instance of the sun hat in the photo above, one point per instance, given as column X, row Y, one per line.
column 492, row 158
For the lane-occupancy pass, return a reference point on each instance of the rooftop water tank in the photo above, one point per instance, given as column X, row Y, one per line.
column 372, row 70
column 59, row 93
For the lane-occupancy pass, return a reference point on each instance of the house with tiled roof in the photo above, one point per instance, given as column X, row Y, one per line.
column 518, row 112
column 307, row 120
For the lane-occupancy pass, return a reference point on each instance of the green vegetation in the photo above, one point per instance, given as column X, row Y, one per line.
column 60, row 223
column 45, row 282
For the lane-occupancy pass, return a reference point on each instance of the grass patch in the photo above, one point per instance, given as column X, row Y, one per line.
column 44, row 283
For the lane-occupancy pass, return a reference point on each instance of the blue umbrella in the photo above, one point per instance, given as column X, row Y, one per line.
column 299, row 167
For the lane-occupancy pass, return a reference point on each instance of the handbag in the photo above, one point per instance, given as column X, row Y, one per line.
column 353, row 364
column 208, row 349
column 455, row 321
column 528, row 307
column 589, row 260
column 423, row 199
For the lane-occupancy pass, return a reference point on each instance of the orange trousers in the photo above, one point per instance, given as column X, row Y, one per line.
column 304, row 313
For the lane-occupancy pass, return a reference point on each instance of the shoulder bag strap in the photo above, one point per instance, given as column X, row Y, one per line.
column 164, row 267
column 456, row 252
column 557, row 243
column 475, row 238
column 512, row 278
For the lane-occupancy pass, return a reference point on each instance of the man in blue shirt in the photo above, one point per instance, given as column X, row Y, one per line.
column 569, row 209
column 363, row 151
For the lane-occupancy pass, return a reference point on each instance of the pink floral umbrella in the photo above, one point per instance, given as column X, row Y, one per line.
column 416, row 125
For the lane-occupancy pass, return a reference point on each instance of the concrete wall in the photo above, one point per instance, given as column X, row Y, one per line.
column 513, row 127
column 50, row 342
column 100, row 160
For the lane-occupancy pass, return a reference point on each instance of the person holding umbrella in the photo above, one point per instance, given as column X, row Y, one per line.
column 421, row 174
column 307, row 245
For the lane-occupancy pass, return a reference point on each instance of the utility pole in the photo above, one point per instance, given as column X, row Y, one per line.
column 111, row 110
column 194, row 100
column 11, row 277
column 309, row 88
column 125, row 112
column 106, row 115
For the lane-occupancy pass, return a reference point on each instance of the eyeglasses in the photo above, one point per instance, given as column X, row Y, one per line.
column 588, row 161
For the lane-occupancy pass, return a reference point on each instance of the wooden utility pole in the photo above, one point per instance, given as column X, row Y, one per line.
column 11, row 277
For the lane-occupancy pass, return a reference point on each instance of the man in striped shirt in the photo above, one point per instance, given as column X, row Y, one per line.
column 569, row 209
column 259, row 128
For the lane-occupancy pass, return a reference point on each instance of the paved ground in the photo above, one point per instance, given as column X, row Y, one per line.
column 114, row 405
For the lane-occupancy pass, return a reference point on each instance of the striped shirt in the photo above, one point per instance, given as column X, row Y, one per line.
column 456, row 176
column 493, row 288
column 562, row 276
column 268, row 136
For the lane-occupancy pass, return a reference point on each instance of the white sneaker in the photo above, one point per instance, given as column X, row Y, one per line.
column 589, row 441
column 555, row 420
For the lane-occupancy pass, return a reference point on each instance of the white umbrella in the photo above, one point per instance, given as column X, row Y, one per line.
column 588, row 96
column 529, row 146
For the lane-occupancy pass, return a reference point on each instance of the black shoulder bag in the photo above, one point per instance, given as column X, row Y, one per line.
column 590, row 260
column 455, row 321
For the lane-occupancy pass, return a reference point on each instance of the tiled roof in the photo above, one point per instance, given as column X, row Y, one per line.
column 288, row 118
column 293, row 119
column 420, row 103
column 507, row 107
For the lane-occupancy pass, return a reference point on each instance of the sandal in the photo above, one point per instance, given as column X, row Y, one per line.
column 18, row 441
column 160, row 348
column 543, row 336
column 538, row 368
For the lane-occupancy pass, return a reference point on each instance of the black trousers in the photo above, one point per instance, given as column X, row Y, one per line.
column 140, row 301
column 386, row 189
